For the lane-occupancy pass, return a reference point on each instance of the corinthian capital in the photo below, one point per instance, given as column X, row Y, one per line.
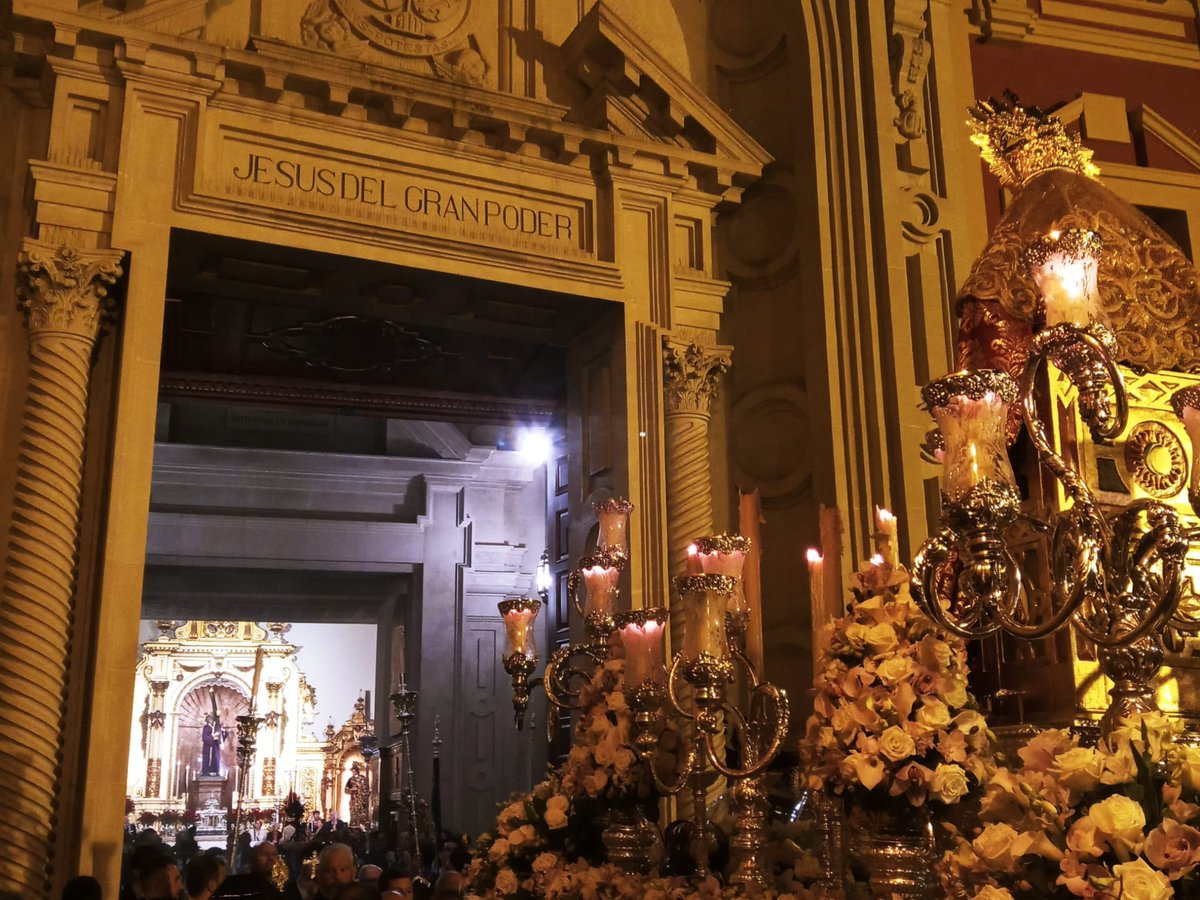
column 65, row 290
column 691, row 374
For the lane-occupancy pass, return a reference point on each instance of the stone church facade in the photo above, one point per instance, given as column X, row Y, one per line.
column 776, row 200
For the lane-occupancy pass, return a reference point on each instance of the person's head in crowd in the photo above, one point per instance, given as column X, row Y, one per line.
column 159, row 879
column 335, row 870
column 203, row 876
column 397, row 881
column 262, row 858
column 449, row 884
column 369, row 874
column 81, row 887
column 222, row 863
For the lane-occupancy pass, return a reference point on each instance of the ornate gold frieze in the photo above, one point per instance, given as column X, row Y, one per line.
column 1156, row 460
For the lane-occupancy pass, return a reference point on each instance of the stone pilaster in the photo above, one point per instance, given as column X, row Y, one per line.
column 64, row 293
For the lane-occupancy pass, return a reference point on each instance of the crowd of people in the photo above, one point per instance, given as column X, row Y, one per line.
column 329, row 863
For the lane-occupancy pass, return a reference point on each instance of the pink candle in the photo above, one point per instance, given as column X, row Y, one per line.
column 519, row 615
column 885, row 536
column 816, row 585
column 600, row 583
column 641, row 634
column 694, row 565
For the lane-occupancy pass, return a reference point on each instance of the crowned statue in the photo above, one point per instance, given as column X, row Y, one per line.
column 357, row 788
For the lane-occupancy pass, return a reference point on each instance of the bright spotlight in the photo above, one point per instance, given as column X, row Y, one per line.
column 536, row 445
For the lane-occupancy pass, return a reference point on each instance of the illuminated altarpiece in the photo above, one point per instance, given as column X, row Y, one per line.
column 178, row 676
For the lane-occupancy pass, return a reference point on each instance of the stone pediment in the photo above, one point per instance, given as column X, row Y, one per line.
column 630, row 90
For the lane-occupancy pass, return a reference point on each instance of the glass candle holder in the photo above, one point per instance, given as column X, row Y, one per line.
column 705, row 600
column 519, row 615
column 642, row 632
column 1064, row 265
column 725, row 554
column 600, row 574
column 1186, row 403
column 614, row 525
column 971, row 409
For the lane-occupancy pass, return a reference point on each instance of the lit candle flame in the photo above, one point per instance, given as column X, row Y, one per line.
column 814, row 556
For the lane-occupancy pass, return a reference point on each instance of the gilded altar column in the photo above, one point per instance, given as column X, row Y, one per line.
column 64, row 293
column 156, row 719
column 272, row 744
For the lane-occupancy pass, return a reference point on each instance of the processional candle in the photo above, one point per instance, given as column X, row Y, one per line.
column 971, row 409
column 613, row 516
column 519, row 615
column 1065, row 266
column 725, row 554
column 705, row 601
column 641, row 632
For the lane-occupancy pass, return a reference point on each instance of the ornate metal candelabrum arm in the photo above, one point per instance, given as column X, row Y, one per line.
column 1116, row 577
column 708, row 663
column 247, row 734
column 404, row 703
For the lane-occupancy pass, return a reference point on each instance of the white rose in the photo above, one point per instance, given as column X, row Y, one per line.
column 556, row 812
column 498, row 852
column 949, row 783
column 895, row 669
column 994, row 844
column 506, row 882
column 933, row 713
column 934, row 654
column 1079, row 768
column 991, row 892
column 896, row 744
column 1122, row 821
column 1138, row 881
column 545, row 862
column 882, row 638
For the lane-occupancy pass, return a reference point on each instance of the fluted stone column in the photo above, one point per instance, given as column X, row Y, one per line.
column 64, row 294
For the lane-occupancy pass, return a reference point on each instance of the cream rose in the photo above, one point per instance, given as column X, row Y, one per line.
column 1138, row 881
column 933, row 713
column 506, row 882
column 1173, row 847
column 1079, row 768
column 498, row 852
column 1189, row 768
column 934, row 654
column 895, row 669
column 953, row 691
column 882, row 638
column 1121, row 821
column 896, row 744
column 556, row 812
column 519, row 836
column 991, row 892
column 949, row 783
column 994, row 844
column 544, row 863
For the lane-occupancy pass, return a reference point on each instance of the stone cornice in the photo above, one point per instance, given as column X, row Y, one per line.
column 300, row 78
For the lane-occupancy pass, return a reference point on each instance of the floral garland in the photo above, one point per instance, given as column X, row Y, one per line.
column 892, row 715
column 1118, row 820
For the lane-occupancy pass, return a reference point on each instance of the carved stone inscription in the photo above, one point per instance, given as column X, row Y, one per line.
column 287, row 177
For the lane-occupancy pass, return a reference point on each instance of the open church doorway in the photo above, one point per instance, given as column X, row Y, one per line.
column 345, row 447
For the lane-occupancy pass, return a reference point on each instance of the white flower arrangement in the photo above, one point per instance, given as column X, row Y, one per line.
column 892, row 716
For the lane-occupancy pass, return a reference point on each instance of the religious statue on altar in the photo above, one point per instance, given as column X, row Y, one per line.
column 212, row 737
column 356, row 788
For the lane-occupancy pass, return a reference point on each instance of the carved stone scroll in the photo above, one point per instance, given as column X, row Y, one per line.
column 64, row 293
column 910, row 52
